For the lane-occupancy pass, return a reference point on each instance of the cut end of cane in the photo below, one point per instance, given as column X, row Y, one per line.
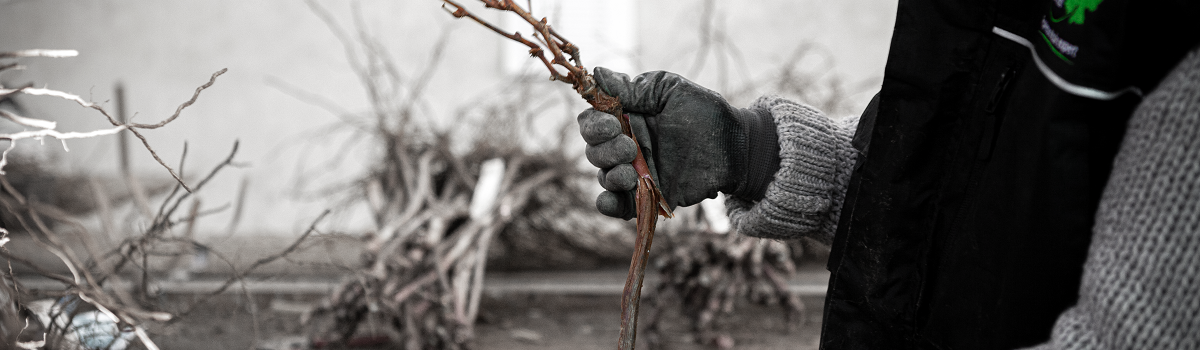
column 664, row 209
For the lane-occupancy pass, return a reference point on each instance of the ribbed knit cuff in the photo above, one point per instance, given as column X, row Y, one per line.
column 757, row 162
column 805, row 197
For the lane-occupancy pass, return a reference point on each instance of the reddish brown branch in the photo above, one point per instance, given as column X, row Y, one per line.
column 535, row 50
column 650, row 201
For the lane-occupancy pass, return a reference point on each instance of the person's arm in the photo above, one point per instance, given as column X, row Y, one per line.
column 783, row 165
column 1141, row 282
column 805, row 197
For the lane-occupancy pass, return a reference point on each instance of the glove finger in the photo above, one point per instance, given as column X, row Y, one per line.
column 618, row 85
column 598, row 127
column 619, row 150
column 616, row 204
column 619, row 178
column 647, row 93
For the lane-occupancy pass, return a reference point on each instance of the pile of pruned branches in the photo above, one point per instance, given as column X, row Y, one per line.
column 706, row 274
column 422, row 271
column 442, row 201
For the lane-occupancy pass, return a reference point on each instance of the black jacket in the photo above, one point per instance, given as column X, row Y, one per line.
column 969, row 215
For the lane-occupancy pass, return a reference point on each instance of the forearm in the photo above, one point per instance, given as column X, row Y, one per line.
column 805, row 197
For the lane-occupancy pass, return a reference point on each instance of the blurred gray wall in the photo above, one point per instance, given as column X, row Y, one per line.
column 280, row 55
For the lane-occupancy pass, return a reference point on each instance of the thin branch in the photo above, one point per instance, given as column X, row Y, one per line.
column 37, row 269
column 435, row 58
column 14, row 66
column 8, row 187
column 189, row 102
column 183, row 156
column 706, row 18
column 37, row 134
column 37, row 123
column 227, row 162
column 39, row 53
column 314, row 99
column 132, row 127
column 162, row 221
column 534, row 49
column 239, row 205
column 140, row 199
column 260, row 262
column 65, row 96
column 104, row 206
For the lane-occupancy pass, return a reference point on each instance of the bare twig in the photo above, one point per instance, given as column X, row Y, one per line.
column 37, row 268
column 65, row 96
column 135, row 187
column 185, row 104
column 8, row 188
column 37, row 123
column 239, row 206
column 37, row 134
column 117, row 125
column 238, row 275
column 39, row 53
column 162, row 219
column 16, row 66
column 650, row 201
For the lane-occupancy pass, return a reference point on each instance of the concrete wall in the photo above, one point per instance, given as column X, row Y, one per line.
column 161, row 50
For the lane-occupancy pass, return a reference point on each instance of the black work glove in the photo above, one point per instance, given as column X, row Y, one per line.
column 695, row 143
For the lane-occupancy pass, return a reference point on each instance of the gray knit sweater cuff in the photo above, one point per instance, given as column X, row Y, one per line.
column 806, row 196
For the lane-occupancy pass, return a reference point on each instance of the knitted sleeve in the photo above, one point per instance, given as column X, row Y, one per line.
column 1141, row 282
column 805, row 197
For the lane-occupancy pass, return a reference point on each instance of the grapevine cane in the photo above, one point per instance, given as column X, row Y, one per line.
column 649, row 200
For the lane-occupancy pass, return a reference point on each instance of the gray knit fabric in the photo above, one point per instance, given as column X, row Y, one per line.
column 1141, row 283
column 806, row 196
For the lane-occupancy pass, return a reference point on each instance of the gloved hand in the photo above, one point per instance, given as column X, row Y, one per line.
column 695, row 143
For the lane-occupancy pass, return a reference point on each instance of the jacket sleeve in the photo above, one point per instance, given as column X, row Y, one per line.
column 805, row 197
column 1141, row 282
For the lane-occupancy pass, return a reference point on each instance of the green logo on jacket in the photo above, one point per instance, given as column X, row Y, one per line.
column 1076, row 9
column 1074, row 14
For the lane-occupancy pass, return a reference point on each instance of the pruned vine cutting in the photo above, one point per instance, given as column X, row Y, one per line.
column 650, row 201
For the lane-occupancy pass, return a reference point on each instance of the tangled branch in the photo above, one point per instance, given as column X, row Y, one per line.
column 565, row 55
column 576, row 73
column 46, row 128
column 99, row 278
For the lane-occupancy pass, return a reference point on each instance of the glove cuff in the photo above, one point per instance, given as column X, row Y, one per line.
column 756, row 158
column 805, row 197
